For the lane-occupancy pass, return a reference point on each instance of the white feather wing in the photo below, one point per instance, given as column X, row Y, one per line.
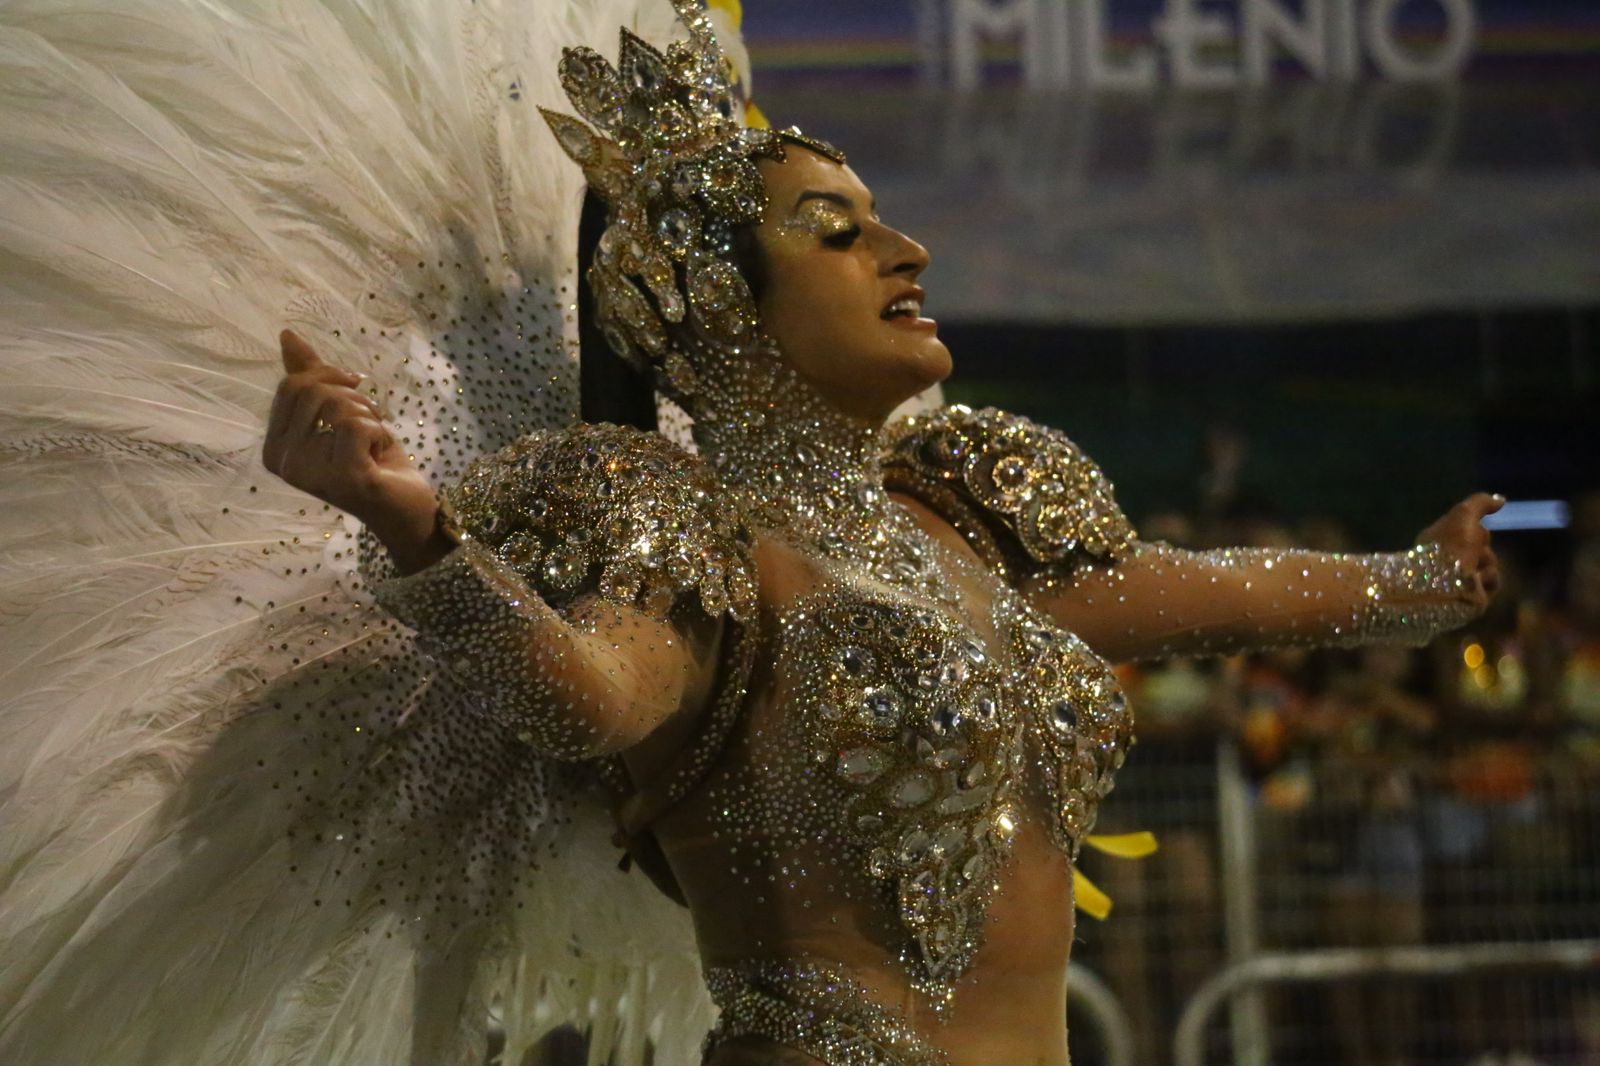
column 242, row 822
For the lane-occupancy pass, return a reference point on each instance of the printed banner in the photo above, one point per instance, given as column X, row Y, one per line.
column 1228, row 161
column 1143, row 43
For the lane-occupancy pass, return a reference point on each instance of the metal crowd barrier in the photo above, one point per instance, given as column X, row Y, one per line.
column 1331, row 964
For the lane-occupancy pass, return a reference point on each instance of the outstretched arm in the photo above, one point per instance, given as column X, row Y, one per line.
column 1158, row 600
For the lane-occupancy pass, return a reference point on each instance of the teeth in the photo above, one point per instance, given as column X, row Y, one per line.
column 907, row 306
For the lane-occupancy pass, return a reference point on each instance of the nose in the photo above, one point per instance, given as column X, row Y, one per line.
column 902, row 255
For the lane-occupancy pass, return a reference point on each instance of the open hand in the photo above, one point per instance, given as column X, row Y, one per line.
column 1459, row 531
column 326, row 438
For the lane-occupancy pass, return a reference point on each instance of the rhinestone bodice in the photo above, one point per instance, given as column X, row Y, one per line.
column 923, row 711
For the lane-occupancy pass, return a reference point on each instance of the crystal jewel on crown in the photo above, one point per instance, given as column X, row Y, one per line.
column 677, row 170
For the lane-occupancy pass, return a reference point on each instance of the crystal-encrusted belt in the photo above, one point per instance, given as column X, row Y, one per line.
column 816, row 1009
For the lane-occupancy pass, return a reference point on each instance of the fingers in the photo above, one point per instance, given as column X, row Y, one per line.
column 1480, row 504
column 299, row 441
column 287, row 421
column 294, row 436
column 276, row 421
column 303, row 418
column 325, row 437
column 358, row 442
column 335, row 409
column 1463, row 524
column 1489, row 572
column 300, row 358
column 1460, row 532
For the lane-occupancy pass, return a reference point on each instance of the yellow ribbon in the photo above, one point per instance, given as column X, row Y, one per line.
column 753, row 118
column 1088, row 897
column 1123, row 845
column 734, row 9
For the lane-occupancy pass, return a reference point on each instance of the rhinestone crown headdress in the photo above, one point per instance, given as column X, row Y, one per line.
column 677, row 172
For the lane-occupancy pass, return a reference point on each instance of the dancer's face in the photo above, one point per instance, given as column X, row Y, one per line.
column 833, row 271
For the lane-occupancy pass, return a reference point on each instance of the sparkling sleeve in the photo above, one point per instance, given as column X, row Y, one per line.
column 1159, row 600
column 1044, row 516
column 583, row 557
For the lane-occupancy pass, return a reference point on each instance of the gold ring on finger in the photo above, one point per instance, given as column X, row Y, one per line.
column 321, row 427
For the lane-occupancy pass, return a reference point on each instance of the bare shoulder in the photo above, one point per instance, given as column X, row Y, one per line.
column 937, row 525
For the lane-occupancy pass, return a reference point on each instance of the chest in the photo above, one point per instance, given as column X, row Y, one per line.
column 934, row 712
column 917, row 721
column 930, row 702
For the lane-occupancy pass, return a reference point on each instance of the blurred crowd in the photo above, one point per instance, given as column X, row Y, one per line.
column 1396, row 797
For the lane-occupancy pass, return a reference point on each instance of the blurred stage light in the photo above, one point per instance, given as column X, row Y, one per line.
column 1530, row 514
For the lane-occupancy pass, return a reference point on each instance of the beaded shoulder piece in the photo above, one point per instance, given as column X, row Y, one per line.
column 633, row 517
column 613, row 509
column 1023, row 495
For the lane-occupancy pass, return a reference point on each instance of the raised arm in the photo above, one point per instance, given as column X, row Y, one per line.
column 1157, row 600
column 575, row 584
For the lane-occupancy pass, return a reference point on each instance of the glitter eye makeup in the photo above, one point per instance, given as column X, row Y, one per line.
column 821, row 219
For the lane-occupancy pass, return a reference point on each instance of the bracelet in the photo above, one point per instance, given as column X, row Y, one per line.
column 447, row 522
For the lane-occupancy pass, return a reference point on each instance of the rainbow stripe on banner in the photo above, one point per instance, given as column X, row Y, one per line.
column 787, row 36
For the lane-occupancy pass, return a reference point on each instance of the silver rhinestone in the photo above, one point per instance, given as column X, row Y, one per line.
column 912, row 790
column 862, row 766
column 914, row 845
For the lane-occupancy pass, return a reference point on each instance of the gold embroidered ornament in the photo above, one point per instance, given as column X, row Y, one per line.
column 678, row 173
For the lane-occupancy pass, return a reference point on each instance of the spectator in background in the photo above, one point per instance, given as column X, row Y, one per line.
column 1219, row 489
column 1566, row 679
column 1492, row 835
column 1395, row 804
column 1488, row 752
column 1271, row 694
column 1375, row 727
column 1164, row 937
column 1586, row 1024
column 1268, row 696
column 1567, row 658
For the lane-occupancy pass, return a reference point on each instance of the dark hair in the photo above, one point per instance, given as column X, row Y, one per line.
column 749, row 259
column 610, row 389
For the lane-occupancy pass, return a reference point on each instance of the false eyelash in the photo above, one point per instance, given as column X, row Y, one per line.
column 842, row 239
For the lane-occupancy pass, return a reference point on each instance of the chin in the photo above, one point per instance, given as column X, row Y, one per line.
column 915, row 376
column 932, row 365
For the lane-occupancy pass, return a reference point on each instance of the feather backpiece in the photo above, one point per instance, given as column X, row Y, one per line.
column 241, row 821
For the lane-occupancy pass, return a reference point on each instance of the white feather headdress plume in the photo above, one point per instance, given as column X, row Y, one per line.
column 213, row 839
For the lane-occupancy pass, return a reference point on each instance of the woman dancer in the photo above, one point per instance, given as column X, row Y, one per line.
column 848, row 683
column 869, row 773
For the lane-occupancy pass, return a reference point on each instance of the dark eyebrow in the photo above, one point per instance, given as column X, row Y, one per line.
column 833, row 198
